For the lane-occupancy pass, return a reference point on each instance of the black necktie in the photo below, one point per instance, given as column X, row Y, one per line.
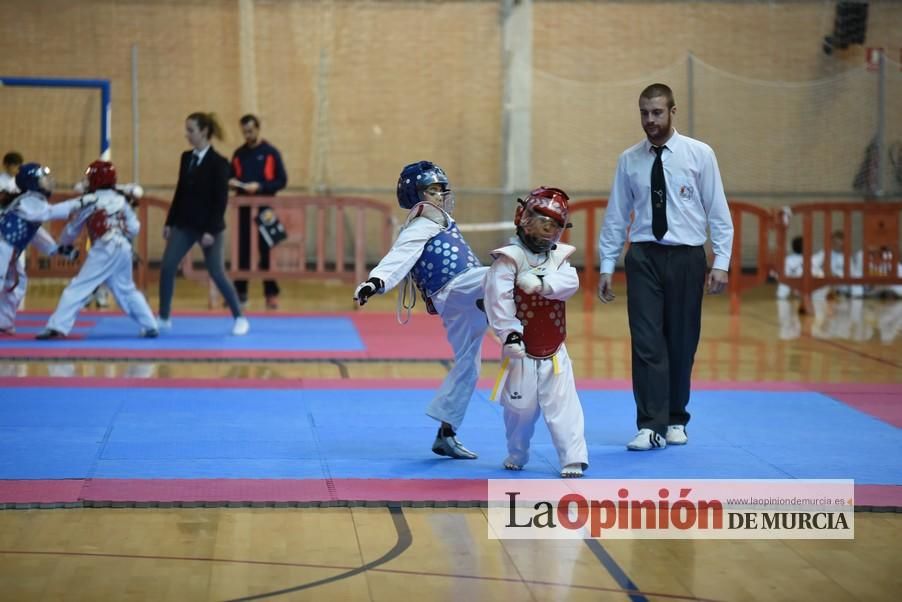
column 193, row 163
column 658, row 196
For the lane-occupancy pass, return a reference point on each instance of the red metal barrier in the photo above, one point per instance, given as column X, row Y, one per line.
column 879, row 224
column 147, row 205
column 592, row 221
column 740, row 278
column 738, row 282
column 289, row 259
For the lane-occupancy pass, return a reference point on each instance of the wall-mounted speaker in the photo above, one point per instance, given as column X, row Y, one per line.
column 850, row 26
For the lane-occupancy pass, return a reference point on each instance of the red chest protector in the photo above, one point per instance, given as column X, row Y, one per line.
column 544, row 320
column 107, row 216
column 97, row 225
column 544, row 323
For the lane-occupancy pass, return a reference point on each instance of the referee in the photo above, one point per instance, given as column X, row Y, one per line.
column 671, row 183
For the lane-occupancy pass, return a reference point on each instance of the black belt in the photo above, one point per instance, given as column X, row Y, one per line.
column 649, row 243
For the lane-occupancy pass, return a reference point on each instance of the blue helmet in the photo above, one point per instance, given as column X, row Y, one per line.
column 415, row 178
column 31, row 176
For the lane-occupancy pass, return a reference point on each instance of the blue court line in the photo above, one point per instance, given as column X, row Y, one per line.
column 204, row 333
column 53, row 433
column 615, row 571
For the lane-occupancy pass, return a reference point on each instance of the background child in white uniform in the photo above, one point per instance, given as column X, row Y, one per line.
column 525, row 290
column 431, row 252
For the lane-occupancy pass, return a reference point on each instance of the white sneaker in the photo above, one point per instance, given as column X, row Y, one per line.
column 645, row 440
column 676, row 435
column 241, row 327
column 164, row 323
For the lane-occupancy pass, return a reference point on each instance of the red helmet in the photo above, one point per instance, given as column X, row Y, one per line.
column 100, row 174
column 542, row 217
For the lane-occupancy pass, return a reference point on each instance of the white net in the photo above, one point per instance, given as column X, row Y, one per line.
column 774, row 140
column 786, row 138
column 57, row 127
column 891, row 173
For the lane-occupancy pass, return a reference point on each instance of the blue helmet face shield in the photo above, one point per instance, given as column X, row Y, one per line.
column 36, row 177
column 416, row 178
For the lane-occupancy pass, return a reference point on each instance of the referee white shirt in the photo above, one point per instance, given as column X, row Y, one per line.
column 695, row 201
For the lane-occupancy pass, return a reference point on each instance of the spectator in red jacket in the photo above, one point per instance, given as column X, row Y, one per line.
column 257, row 169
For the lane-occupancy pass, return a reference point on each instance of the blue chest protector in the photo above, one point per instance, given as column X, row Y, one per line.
column 16, row 230
column 445, row 256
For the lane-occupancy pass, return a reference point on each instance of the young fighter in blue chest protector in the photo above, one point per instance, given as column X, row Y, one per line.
column 431, row 252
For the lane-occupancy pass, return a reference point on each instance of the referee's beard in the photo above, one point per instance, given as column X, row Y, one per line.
column 658, row 134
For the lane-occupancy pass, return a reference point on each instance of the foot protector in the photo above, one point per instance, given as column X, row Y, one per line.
column 449, row 446
column 572, row 471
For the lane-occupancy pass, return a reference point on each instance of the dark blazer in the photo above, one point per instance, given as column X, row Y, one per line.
column 200, row 198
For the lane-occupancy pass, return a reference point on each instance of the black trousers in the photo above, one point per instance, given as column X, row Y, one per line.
column 245, row 226
column 665, row 286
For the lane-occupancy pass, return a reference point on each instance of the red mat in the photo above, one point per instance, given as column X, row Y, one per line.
column 423, row 338
column 885, row 406
column 300, row 492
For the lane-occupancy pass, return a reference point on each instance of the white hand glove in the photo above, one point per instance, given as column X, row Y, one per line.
column 513, row 347
column 529, row 283
column 135, row 191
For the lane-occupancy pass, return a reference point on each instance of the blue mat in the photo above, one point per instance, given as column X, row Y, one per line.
column 203, row 333
column 55, row 433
